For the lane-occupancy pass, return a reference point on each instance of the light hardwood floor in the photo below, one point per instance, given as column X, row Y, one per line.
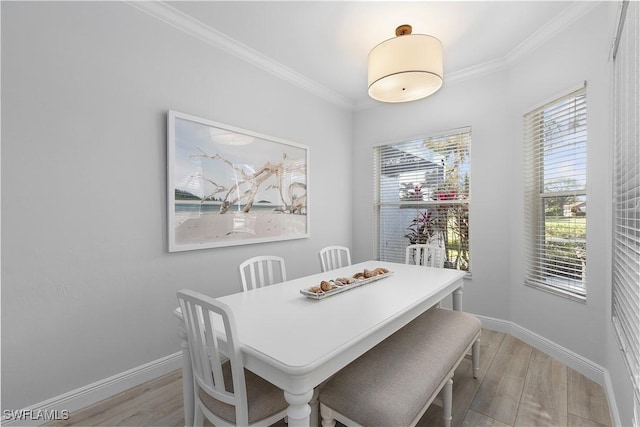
column 517, row 386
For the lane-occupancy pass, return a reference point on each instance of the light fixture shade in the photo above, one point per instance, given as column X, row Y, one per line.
column 405, row 68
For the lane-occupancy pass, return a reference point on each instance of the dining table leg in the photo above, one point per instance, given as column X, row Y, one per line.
column 299, row 410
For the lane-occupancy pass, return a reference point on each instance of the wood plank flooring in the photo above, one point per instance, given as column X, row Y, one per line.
column 518, row 386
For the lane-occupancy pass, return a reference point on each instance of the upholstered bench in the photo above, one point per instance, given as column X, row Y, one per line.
column 394, row 383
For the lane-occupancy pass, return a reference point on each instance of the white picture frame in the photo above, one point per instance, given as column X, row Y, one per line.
column 229, row 186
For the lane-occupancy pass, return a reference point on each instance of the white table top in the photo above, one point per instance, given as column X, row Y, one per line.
column 286, row 330
column 296, row 342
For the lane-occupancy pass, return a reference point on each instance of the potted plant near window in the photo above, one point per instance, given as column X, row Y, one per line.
column 446, row 225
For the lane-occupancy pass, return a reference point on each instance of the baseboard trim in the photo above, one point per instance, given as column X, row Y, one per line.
column 95, row 392
column 109, row 387
column 613, row 406
column 586, row 367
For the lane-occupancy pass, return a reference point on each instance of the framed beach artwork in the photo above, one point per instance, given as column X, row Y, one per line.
column 229, row 186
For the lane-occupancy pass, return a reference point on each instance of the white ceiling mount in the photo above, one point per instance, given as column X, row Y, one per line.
column 405, row 68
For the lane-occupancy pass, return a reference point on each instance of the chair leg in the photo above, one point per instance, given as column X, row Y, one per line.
column 198, row 417
column 447, row 402
column 475, row 358
column 327, row 416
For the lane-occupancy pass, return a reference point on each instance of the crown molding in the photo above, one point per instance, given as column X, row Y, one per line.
column 195, row 28
column 477, row 70
column 558, row 24
column 567, row 17
column 543, row 35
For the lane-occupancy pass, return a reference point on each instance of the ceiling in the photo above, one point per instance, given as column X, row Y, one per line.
column 323, row 45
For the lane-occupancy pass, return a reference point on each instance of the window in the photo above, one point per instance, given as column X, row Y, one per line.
column 625, row 287
column 555, row 195
column 422, row 195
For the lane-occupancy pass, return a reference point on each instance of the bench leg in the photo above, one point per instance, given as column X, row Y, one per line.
column 456, row 297
column 447, row 399
column 315, row 412
column 475, row 358
column 327, row 416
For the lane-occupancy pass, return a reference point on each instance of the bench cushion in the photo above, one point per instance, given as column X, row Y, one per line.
column 392, row 382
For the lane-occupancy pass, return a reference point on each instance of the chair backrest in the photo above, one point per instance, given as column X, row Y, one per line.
column 206, row 320
column 333, row 257
column 262, row 271
column 424, row 254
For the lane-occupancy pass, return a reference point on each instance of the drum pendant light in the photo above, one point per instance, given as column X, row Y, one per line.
column 406, row 67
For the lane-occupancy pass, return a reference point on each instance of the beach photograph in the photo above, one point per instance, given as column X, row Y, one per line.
column 229, row 186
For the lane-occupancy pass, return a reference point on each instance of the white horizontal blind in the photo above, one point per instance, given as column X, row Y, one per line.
column 626, row 189
column 422, row 194
column 556, row 195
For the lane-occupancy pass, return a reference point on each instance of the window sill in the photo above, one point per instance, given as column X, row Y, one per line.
column 556, row 291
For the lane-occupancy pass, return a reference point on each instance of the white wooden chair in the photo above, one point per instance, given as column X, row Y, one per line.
column 262, row 271
column 225, row 392
column 333, row 257
column 425, row 254
column 428, row 255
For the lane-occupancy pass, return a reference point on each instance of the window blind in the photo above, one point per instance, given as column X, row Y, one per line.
column 422, row 195
column 555, row 195
column 626, row 194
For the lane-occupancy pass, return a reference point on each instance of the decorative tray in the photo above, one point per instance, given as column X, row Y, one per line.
column 339, row 285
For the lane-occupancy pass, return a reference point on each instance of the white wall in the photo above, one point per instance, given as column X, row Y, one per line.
column 482, row 104
column 577, row 54
column 580, row 53
column 619, row 380
column 88, row 287
column 493, row 106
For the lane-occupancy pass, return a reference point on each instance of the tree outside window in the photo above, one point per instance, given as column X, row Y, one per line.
column 423, row 196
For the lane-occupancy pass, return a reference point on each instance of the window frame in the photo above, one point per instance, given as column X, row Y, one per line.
column 544, row 270
column 456, row 207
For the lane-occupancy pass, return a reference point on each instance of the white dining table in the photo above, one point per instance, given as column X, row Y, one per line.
column 297, row 343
